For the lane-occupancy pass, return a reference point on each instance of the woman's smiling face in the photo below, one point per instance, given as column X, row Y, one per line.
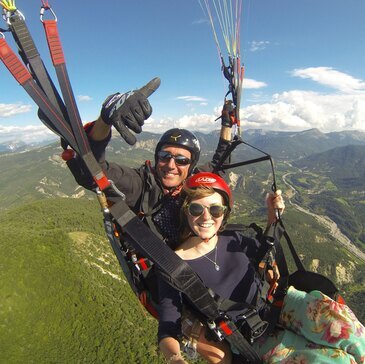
column 205, row 226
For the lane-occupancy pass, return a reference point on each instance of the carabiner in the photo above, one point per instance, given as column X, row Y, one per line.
column 7, row 14
column 45, row 7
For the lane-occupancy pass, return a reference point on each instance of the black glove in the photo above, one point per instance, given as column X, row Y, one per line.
column 227, row 114
column 129, row 110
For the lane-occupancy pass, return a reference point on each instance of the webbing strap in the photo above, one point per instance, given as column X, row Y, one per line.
column 109, row 230
column 58, row 59
column 244, row 163
column 171, row 266
column 238, row 341
column 25, row 79
column 74, row 135
column 31, row 57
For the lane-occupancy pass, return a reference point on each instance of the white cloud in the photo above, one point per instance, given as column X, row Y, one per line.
column 84, row 98
column 252, row 84
column 296, row 110
column 201, row 21
column 201, row 122
column 330, row 77
column 8, row 110
column 258, row 45
column 191, row 98
column 300, row 110
column 28, row 134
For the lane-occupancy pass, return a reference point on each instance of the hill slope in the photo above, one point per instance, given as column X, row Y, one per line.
column 344, row 165
column 333, row 183
column 63, row 298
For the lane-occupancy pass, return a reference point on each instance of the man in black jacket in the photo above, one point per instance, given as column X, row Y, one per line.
column 151, row 191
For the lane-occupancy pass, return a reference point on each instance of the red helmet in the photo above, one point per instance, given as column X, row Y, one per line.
column 212, row 180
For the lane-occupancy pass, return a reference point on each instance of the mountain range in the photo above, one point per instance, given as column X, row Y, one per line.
column 56, row 262
column 280, row 144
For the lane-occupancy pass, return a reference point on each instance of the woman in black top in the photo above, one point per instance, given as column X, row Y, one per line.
column 221, row 259
column 316, row 328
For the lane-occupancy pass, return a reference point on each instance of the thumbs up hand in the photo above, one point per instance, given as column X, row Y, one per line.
column 128, row 111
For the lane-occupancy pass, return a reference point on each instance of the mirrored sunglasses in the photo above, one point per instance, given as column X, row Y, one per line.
column 196, row 209
column 179, row 159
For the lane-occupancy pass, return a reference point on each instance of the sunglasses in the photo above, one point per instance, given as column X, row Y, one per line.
column 180, row 160
column 196, row 210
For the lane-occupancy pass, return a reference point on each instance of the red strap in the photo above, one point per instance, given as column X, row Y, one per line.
column 54, row 42
column 13, row 64
column 45, row 5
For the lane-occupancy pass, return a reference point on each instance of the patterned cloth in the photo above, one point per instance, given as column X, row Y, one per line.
column 167, row 219
column 316, row 329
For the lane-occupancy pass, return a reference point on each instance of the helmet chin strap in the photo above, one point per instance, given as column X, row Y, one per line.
column 172, row 190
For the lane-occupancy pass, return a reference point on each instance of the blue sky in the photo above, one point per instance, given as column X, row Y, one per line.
column 305, row 63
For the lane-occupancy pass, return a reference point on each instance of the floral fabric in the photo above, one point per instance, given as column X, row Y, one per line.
column 316, row 329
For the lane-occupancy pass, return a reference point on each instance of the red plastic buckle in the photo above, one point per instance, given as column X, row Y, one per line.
column 102, row 182
column 224, row 327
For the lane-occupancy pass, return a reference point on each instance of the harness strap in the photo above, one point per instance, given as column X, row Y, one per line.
column 114, row 241
column 244, row 163
column 293, row 252
column 75, row 136
column 226, row 155
column 147, row 200
column 171, row 266
column 234, row 337
column 25, row 79
column 249, row 316
column 30, row 56
column 58, row 59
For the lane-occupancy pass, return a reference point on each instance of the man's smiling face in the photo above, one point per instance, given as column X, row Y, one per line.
column 170, row 172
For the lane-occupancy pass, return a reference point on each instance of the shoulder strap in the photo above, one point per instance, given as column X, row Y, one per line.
column 150, row 196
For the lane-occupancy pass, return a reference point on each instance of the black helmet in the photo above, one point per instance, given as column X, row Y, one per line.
column 181, row 138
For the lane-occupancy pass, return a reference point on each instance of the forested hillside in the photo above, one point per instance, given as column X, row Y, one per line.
column 63, row 298
column 333, row 183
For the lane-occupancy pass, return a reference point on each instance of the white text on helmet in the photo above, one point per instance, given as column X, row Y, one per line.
column 205, row 180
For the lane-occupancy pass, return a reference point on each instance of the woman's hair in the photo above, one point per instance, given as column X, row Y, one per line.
column 192, row 194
